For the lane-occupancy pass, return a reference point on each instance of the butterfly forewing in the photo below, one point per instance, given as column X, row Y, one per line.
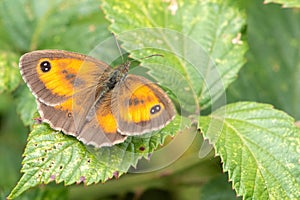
column 140, row 106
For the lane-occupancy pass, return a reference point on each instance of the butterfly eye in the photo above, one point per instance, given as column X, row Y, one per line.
column 155, row 109
column 45, row 66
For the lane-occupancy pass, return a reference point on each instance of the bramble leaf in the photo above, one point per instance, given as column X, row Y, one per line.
column 259, row 148
column 52, row 156
column 9, row 72
column 206, row 50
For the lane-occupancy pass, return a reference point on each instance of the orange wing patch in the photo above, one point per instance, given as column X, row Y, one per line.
column 106, row 119
column 140, row 105
column 66, row 105
column 60, row 79
column 107, row 122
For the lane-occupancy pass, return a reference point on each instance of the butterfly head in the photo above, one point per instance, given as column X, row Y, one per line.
column 124, row 68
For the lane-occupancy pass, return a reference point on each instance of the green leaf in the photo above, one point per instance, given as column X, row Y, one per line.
column 53, row 156
column 9, row 72
column 259, row 147
column 285, row 3
column 271, row 74
column 206, row 50
column 26, row 105
column 69, row 25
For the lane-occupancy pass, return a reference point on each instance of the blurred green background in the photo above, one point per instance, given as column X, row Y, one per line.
column 271, row 75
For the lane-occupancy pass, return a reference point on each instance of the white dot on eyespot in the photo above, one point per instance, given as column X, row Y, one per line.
column 155, row 109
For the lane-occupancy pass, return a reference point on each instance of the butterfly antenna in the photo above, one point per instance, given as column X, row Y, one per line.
column 119, row 48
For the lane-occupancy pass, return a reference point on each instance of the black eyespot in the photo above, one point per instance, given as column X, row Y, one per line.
column 45, row 66
column 155, row 109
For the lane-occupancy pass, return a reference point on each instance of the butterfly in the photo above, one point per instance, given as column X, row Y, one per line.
column 86, row 98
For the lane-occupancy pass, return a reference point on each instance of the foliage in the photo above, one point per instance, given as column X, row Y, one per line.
column 246, row 142
column 288, row 3
column 203, row 46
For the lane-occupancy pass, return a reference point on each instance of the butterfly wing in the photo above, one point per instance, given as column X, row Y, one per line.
column 101, row 130
column 52, row 74
column 65, row 85
column 140, row 106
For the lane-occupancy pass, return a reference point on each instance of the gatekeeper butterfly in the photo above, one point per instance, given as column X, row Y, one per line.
column 86, row 98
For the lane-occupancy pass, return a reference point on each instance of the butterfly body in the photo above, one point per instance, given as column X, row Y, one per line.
column 114, row 77
column 86, row 98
